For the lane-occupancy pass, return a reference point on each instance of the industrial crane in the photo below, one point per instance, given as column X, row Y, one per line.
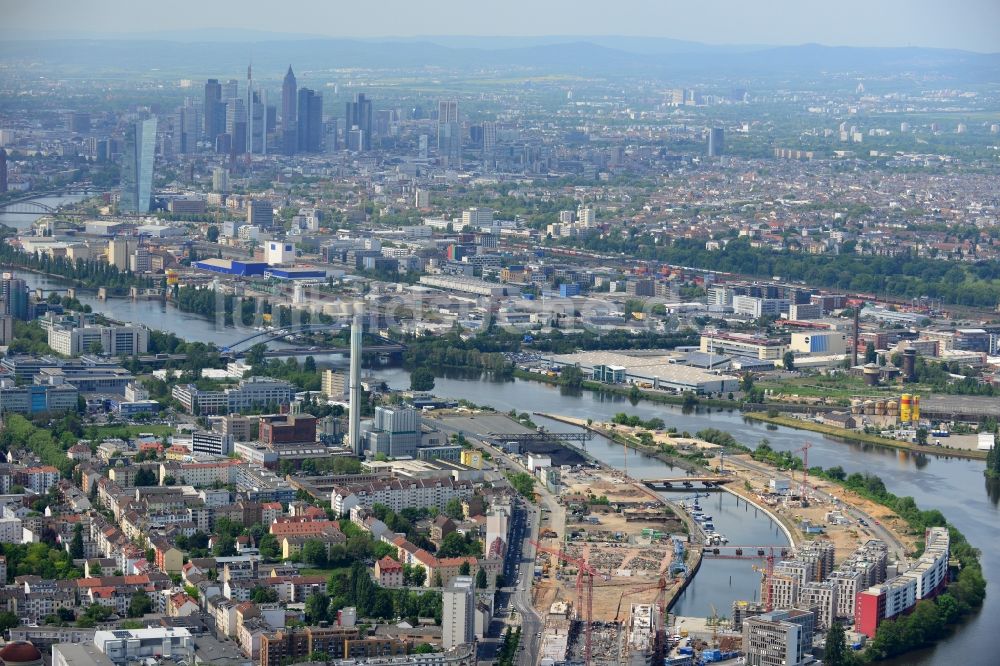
column 768, row 578
column 715, row 627
column 805, row 470
column 584, row 591
column 660, row 611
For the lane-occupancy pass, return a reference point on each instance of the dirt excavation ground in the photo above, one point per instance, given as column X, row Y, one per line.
column 846, row 537
column 620, row 528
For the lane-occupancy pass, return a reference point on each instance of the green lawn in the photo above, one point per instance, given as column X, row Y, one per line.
column 325, row 572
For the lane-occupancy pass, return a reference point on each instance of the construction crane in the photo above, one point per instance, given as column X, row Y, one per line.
column 768, row 576
column 584, row 591
column 659, row 610
column 715, row 627
column 805, row 470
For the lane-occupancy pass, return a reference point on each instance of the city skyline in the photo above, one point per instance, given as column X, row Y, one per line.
column 967, row 25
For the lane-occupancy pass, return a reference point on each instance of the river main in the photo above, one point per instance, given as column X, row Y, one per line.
column 954, row 486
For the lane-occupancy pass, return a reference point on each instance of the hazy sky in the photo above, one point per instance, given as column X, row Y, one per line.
column 966, row 24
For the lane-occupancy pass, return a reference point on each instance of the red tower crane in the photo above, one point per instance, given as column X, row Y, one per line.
column 768, row 574
column 584, row 591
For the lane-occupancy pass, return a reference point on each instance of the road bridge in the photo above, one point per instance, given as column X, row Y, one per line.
column 529, row 437
column 385, row 344
column 686, row 482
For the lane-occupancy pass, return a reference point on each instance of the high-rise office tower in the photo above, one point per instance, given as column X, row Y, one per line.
column 289, row 107
column 449, row 133
column 220, row 180
column 489, row 140
column 189, row 125
column 13, row 296
column 289, row 99
column 138, row 153
column 236, row 125
column 230, row 89
column 257, row 123
column 213, row 109
column 359, row 115
column 3, row 170
column 260, row 213
column 354, row 405
column 310, row 121
column 251, row 108
column 716, row 142
column 458, row 625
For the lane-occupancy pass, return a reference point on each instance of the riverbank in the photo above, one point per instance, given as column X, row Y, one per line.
column 626, row 441
column 864, row 438
column 763, row 417
column 751, row 483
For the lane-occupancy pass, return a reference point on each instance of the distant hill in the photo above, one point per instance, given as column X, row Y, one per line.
column 228, row 51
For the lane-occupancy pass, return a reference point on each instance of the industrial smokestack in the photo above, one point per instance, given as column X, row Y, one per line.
column 354, row 428
column 857, row 335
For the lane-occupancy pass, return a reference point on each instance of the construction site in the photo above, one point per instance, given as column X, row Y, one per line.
column 604, row 582
column 624, row 548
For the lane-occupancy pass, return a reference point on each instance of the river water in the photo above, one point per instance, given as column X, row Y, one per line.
column 957, row 487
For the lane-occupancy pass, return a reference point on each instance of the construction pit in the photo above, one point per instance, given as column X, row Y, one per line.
column 622, row 530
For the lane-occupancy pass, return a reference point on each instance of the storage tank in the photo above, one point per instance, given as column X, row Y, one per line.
column 870, row 407
column 892, row 408
column 915, row 409
column 172, row 277
column 905, row 402
column 880, row 407
column 856, row 406
column 871, row 373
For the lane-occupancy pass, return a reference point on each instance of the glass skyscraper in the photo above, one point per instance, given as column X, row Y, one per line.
column 137, row 166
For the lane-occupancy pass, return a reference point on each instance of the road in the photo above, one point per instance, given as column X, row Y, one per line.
column 519, row 568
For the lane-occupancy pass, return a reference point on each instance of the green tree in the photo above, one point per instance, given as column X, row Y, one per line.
column 76, row 544
column 224, row 547
column 465, row 569
column 255, row 355
column 270, row 549
column 481, row 580
column 95, row 347
column 871, row 356
column 421, row 379
column 317, row 608
column 453, row 509
column 571, row 376
column 212, row 233
column 264, row 595
column 922, row 436
column 145, row 477
column 788, row 360
column 8, row 620
column 993, row 461
column 139, row 605
column 837, row 652
column 314, row 552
